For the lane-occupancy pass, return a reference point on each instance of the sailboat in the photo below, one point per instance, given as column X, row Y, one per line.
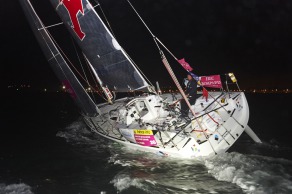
column 150, row 121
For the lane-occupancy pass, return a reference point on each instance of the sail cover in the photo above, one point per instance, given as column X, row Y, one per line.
column 57, row 62
column 112, row 65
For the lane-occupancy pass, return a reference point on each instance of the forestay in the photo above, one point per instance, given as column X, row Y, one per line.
column 112, row 65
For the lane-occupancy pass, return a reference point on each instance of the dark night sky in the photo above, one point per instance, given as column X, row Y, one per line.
column 251, row 38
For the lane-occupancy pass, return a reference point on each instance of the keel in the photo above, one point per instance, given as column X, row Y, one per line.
column 252, row 135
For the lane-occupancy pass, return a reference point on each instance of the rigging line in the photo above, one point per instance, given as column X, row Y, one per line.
column 166, row 48
column 94, row 79
column 227, row 111
column 99, row 5
column 170, row 140
column 213, row 101
column 217, row 130
column 68, row 59
column 212, row 119
column 145, row 25
column 226, row 83
column 212, row 110
column 138, row 68
column 97, row 79
column 82, row 67
column 228, row 131
column 79, row 60
column 154, row 38
column 238, row 86
column 160, row 138
column 215, row 109
column 98, row 89
column 140, row 18
column 46, row 27
column 219, row 127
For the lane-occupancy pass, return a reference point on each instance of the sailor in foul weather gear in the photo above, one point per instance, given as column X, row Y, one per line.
column 191, row 93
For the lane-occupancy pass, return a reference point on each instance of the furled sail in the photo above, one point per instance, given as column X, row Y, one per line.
column 57, row 62
column 112, row 65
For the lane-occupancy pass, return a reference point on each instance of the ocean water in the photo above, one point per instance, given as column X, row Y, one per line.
column 46, row 148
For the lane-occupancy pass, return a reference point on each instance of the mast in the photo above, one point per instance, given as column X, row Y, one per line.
column 58, row 63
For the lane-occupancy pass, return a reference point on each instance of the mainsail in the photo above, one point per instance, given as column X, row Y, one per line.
column 112, row 65
column 57, row 62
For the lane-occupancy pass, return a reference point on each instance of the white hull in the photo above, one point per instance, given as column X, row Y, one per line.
column 218, row 124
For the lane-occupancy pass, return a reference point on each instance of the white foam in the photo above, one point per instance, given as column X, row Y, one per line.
column 150, row 172
column 123, row 181
column 78, row 133
column 15, row 189
column 254, row 174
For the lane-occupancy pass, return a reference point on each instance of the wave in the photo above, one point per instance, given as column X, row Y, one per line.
column 15, row 189
column 225, row 173
column 77, row 133
column 255, row 174
column 150, row 173
column 124, row 181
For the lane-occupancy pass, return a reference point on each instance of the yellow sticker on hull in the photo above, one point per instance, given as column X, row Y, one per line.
column 143, row 132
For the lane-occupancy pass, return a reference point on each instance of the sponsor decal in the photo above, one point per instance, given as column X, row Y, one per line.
column 212, row 81
column 144, row 137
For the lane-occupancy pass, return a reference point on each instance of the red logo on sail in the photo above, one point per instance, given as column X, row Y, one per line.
column 74, row 7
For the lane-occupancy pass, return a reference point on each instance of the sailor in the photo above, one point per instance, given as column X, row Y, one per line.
column 191, row 93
